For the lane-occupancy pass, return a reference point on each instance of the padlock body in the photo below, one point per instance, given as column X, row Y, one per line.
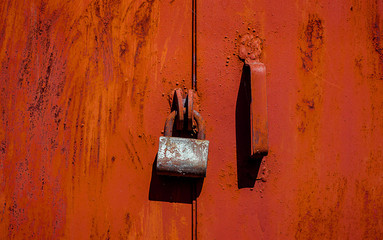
column 182, row 157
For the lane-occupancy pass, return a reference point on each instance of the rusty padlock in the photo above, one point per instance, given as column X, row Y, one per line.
column 183, row 156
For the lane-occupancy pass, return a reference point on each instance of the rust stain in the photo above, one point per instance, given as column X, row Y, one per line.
column 376, row 37
column 310, row 89
column 141, row 26
column 321, row 222
column 313, row 40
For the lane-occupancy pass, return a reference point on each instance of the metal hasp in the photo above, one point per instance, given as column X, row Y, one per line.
column 178, row 156
column 250, row 51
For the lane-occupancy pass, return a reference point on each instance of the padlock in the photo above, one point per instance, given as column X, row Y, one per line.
column 183, row 156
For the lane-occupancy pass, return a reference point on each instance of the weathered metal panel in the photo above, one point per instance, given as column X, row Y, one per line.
column 322, row 178
column 83, row 96
column 84, row 89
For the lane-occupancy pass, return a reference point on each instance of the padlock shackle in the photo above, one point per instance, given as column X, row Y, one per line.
column 168, row 132
column 201, row 125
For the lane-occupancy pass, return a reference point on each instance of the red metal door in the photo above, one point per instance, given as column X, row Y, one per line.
column 322, row 178
column 86, row 87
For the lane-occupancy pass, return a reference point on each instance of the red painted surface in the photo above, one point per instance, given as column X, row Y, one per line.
column 84, row 94
column 322, row 178
column 84, row 88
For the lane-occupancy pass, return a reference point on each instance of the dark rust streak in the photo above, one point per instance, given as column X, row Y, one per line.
column 376, row 39
column 130, row 153
column 134, row 149
column 310, row 103
column 99, row 126
column 314, row 39
column 121, row 96
column 141, row 26
column 376, row 42
column 42, row 92
column 141, row 100
column 24, row 72
column 56, row 112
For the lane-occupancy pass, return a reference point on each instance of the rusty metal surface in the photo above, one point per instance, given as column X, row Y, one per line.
column 322, row 178
column 84, row 88
column 83, row 98
column 182, row 157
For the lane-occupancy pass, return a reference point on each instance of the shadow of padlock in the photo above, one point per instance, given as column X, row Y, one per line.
column 185, row 157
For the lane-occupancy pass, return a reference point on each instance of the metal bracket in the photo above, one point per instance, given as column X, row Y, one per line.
column 250, row 51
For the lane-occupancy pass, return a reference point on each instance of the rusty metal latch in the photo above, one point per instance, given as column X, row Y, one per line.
column 183, row 156
column 250, row 51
